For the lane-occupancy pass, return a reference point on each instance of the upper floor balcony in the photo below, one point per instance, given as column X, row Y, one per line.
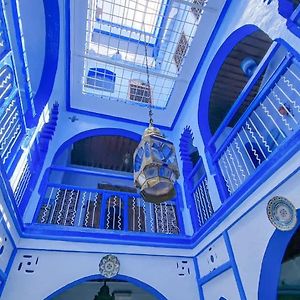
column 253, row 109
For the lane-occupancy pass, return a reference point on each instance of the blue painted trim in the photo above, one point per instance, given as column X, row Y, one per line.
column 28, row 114
column 2, row 285
column 105, row 252
column 103, row 211
column 220, row 182
column 132, row 280
column 11, row 260
column 116, row 25
column 5, row 31
column 162, row 27
column 179, row 209
column 210, row 244
column 181, row 243
column 212, row 72
column 203, row 58
column 7, row 232
column 200, row 290
column 15, row 160
column 8, row 268
column 196, row 168
column 74, row 187
column 271, row 264
column 3, row 276
column 160, row 18
column 91, row 172
column 125, row 213
column 293, row 23
column 68, row 52
column 229, row 206
column 109, row 117
column 94, row 132
column 125, row 38
column 285, row 8
column 115, row 237
column 289, row 48
column 270, row 83
column 8, row 197
column 52, row 44
column 226, row 266
column 68, row 85
column 247, row 89
column 234, row 266
column 289, row 148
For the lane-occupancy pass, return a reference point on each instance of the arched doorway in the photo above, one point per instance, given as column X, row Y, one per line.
column 119, row 288
column 277, row 279
column 289, row 281
column 227, row 76
column 90, row 185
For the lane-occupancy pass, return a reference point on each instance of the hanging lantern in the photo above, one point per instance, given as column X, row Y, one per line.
column 155, row 167
column 154, row 160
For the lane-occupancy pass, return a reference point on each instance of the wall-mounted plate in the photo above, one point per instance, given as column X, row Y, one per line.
column 282, row 213
column 109, row 266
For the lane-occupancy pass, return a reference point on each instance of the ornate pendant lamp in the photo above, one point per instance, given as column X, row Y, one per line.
column 154, row 160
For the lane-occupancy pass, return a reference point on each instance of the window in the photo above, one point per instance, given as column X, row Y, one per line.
column 181, row 50
column 101, row 79
column 197, row 10
column 139, row 91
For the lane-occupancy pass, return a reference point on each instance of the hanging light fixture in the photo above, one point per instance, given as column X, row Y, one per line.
column 154, row 160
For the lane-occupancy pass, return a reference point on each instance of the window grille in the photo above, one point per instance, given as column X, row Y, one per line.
column 197, row 10
column 181, row 50
column 139, row 91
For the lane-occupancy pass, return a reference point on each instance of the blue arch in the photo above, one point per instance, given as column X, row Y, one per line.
column 212, row 72
column 94, row 132
column 52, row 42
column 271, row 264
column 132, row 280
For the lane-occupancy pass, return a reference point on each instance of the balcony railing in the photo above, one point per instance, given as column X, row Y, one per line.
column 66, row 205
column 270, row 120
column 202, row 201
column 201, row 206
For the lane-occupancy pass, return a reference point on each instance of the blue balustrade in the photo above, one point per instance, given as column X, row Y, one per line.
column 67, row 205
column 202, row 208
column 272, row 118
column 23, row 184
column 195, row 178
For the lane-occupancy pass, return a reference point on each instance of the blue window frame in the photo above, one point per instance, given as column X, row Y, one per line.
column 101, row 79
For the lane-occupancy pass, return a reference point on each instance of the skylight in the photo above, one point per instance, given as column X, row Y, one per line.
column 141, row 15
column 118, row 32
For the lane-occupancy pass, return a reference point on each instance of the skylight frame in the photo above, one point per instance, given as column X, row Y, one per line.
column 102, row 49
column 139, row 27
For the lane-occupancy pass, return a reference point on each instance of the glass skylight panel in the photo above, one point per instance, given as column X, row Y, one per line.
column 117, row 32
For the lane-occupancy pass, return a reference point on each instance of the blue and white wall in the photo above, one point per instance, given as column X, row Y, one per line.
column 226, row 260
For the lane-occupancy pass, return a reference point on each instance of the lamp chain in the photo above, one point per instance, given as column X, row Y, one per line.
column 148, row 80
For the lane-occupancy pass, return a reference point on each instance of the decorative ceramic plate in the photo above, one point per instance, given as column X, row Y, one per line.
column 282, row 213
column 109, row 266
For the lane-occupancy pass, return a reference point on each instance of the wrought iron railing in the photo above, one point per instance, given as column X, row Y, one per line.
column 67, row 205
column 201, row 206
column 270, row 120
